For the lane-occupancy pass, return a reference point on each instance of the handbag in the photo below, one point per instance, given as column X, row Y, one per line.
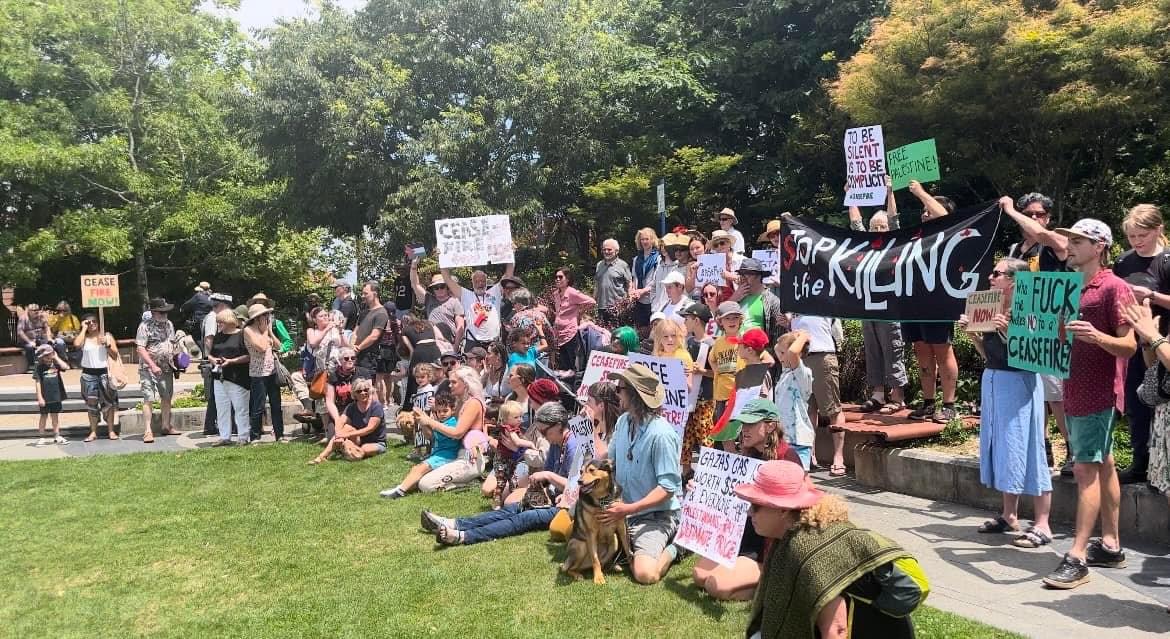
column 283, row 378
column 317, row 386
column 1155, row 388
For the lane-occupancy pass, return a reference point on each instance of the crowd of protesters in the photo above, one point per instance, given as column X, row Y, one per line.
column 481, row 380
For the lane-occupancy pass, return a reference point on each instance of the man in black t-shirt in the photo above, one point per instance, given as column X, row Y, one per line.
column 343, row 301
column 1045, row 251
column 368, row 334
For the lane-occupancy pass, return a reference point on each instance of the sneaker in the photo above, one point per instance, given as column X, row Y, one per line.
column 392, row 493
column 945, row 415
column 44, row 441
column 60, row 440
column 1071, row 572
column 1098, row 555
column 431, row 522
column 925, row 412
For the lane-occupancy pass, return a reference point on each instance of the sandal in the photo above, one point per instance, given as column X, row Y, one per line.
column 837, row 470
column 1032, row 538
column 997, row 526
column 448, row 537
column 316, row 460
column 892, row 408
column 871, row 405
column 170, row 432
column 92, row 437
column 148, row 441
column 112, row 436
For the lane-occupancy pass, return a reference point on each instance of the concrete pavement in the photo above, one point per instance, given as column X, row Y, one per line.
column 986, row 578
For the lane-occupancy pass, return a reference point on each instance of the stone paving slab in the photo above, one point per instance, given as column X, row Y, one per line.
column 985, row 577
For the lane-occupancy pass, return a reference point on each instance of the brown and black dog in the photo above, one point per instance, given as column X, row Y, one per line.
column 594, row 543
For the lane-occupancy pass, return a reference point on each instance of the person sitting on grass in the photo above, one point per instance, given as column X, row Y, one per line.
column 50, row 391
column 361, row 431
column 761, row 436
column 467, row 389
column 514, row 519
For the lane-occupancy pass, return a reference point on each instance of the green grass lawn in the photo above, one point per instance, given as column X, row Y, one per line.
column 254, row 543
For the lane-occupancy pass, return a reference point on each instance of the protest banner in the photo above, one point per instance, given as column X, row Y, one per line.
column 922, row 273
column 710, row 270
column 1042, row 304
column 474, row 241
column 981, row 308
column 713, row 517
column 600, row 364
column 674, row 380
column 916, row 161
column 582, row 429
column 865, row 166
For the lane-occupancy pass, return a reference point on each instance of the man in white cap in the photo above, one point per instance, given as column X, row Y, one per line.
column 727, row 222
column 1100, row 336
column 676, row 300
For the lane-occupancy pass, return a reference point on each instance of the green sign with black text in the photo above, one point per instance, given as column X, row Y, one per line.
column 1041, row 306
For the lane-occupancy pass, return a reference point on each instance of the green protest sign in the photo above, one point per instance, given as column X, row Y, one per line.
column 917, row 161
column 1041, row 306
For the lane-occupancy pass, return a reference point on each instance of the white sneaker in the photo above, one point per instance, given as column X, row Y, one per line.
column 60, row 440
column 44, row 441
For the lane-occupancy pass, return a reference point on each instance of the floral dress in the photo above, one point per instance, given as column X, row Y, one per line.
column 1159, row 469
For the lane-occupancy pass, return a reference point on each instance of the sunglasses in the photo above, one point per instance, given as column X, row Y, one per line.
column 1000, row 274
column 351, row 358
column 710, row 294
column 726, row 219
column 560, row 277
column 364, row 391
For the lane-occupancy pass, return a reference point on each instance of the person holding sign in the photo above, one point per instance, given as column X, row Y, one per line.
column 645, row 450
column 481, row 303
column 698, row 430
column 1100, row 337
column 99, row 384
column 869, row 583
column 1044, row 250
column 761, row 436
column 1012, row 426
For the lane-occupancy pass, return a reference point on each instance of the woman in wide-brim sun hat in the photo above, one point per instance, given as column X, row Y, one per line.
column 822, row 569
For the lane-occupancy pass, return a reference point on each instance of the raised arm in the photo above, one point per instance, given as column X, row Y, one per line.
column 452, row 285
column 1035, row 231
column 891, row 203
column 933, row 208
column 855, row 222
column 420, row 291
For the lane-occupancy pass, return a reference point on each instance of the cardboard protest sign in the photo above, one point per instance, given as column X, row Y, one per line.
column 981, row 308
column 922, row 273
column 710, row 270
column 582, row 428
column 474, row 241
column 600, row 364
column 1042, row 304
column 916, row 161
column 865, row 166
column 100, row 291
column 674, row 381
column 713, row 517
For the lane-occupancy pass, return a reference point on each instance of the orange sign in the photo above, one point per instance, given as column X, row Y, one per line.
column 99, row 291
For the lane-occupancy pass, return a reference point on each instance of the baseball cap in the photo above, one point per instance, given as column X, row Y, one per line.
column 1089, row 229
column 754, row 338
column 674, row 278
column 728, row 308
column 755, row 411
column 698, row 310
column 657, row 315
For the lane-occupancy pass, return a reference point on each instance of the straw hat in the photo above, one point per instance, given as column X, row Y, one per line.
column 719, row 237
column 773, row 227
column 726, row 212
column 260, row 298
column 780, row 484
column 255, row 311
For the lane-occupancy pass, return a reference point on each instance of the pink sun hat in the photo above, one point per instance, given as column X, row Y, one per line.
column 780, row 484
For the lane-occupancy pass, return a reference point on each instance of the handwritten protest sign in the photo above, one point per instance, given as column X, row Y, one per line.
column 922, row 273
column 713, row 517
column 474, row 241
column 711, row 267
column 697, row 376
column 582, row 428
column 99, row 291
column 981, row 307
column 865, row 166
column 600, row 364
column 916, row 161
column 1042, row 304
column 674, row 380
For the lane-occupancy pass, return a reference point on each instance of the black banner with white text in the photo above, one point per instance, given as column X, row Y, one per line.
column 923, row 273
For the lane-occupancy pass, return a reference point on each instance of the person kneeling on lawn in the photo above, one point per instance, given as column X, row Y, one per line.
column 361, row 431
column 514, row 519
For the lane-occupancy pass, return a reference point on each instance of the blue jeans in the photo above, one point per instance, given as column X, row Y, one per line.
column 265, row 388
column 505, row 522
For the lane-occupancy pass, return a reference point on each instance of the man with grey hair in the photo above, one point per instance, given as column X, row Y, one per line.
column 613, row 282
column 343, row 301
column 481, row 304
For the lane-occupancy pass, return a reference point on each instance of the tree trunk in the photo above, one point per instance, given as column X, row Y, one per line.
column 140, row 270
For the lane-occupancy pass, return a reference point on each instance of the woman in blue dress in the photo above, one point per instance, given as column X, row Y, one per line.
column 1012, row 429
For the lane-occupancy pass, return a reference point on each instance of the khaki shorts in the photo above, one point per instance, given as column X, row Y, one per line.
column 1053, row 388
column 651, row 533
column 826, row 382
column 155, row 388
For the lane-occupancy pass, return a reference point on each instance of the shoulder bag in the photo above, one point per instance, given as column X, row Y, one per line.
column 1155, row 387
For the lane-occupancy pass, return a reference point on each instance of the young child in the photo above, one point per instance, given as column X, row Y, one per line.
column 756, row 366
column 521, row 350
column 444, row 451
column 424, row 375
column 510, row 449
column 792, row 392
column 50, row 391
column 723, row 360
